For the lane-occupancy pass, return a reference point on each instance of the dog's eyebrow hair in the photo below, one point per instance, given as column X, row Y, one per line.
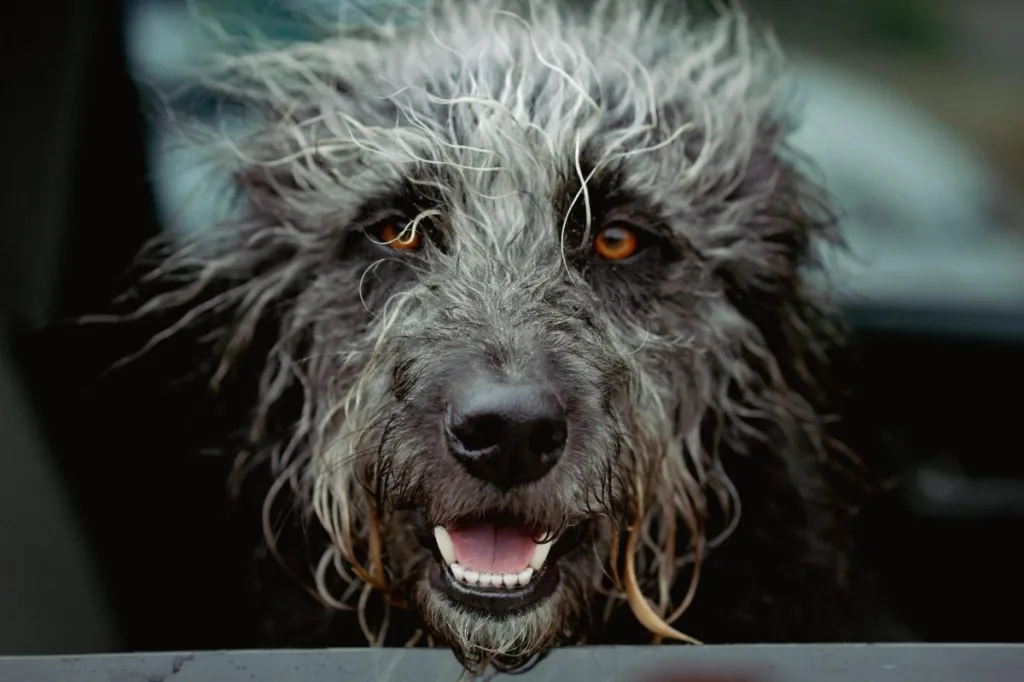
column 404, row 197
column 609, row 197
column 601, row 190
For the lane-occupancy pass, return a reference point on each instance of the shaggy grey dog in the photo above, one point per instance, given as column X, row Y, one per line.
column 524, row 292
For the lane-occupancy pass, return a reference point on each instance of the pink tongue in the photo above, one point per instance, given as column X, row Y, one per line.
column 486, row 548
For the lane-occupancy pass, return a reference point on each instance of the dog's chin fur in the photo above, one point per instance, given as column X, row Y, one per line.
column 695, row 376
column 478, row 639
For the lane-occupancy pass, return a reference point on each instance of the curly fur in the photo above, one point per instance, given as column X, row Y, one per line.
column 507, row 133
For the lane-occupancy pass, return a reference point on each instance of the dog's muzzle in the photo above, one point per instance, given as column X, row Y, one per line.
column 506, row 435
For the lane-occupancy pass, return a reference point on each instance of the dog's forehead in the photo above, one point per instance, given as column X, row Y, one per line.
column 503, row 134
column 508, row 112
column 495, row 79
column 509, row 120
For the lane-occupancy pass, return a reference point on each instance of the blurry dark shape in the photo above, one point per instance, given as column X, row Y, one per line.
column 940, row 489
column 39, row 143
column 52, row 596
column 80, row 210
column 904, row 25
column 907, row 24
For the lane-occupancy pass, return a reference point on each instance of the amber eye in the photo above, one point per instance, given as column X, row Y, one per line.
column 615, row 243
column 401, row 236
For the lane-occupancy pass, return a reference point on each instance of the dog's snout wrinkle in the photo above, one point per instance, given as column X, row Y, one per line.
column 506, row 434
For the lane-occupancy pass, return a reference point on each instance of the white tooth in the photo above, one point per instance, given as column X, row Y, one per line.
column 495, row 580
column 444, row 543
column 472, row 577
column 540, row 555
column 525, row 576
column 510, row 579
column 458, row 571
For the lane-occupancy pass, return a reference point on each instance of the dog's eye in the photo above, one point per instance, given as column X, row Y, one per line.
column 399, row 235
column 616, row 242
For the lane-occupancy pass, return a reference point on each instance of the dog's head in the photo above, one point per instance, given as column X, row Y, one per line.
column 529, row 271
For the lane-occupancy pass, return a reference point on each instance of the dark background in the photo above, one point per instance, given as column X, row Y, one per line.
column 109, row 542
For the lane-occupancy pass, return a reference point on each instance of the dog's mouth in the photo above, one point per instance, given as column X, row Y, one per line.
column 498, row 566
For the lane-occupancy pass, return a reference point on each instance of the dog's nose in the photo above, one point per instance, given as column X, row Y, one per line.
column 507, row 434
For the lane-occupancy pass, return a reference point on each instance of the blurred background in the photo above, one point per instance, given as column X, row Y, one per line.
column 912, row 109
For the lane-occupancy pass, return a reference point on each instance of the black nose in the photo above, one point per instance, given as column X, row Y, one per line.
column 507, row 434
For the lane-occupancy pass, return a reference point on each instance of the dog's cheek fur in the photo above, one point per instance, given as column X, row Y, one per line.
column 729, row 372
column 513, row 641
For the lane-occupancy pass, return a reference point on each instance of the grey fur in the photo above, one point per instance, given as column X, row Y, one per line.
column 509, row 133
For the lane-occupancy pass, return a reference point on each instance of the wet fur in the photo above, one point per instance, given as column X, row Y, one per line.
column 704, row 460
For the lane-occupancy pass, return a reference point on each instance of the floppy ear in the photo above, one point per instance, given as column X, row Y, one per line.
column 783, row 218
column 225, row 137
column 799, row 326
column 786, row 215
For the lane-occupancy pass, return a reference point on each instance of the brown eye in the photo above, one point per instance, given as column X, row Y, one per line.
column 615, row 243
column 401, row 236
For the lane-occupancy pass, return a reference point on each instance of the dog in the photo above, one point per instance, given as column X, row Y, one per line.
column 519, row 311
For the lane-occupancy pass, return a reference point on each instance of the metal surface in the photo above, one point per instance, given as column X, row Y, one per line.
column 833, row 663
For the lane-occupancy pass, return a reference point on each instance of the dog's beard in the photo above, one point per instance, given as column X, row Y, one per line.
column 479, row 638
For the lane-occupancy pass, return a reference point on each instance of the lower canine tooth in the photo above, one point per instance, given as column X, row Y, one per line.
column 472, row 577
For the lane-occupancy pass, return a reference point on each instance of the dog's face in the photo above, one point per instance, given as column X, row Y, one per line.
column 515, row 250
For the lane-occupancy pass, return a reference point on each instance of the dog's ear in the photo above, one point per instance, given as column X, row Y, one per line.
column 774, row 250
column 786, row 215
column 295, row 118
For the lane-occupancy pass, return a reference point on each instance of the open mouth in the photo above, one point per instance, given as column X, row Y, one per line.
column 498, row 567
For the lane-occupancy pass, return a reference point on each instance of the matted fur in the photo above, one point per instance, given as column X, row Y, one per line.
column 508, row 133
